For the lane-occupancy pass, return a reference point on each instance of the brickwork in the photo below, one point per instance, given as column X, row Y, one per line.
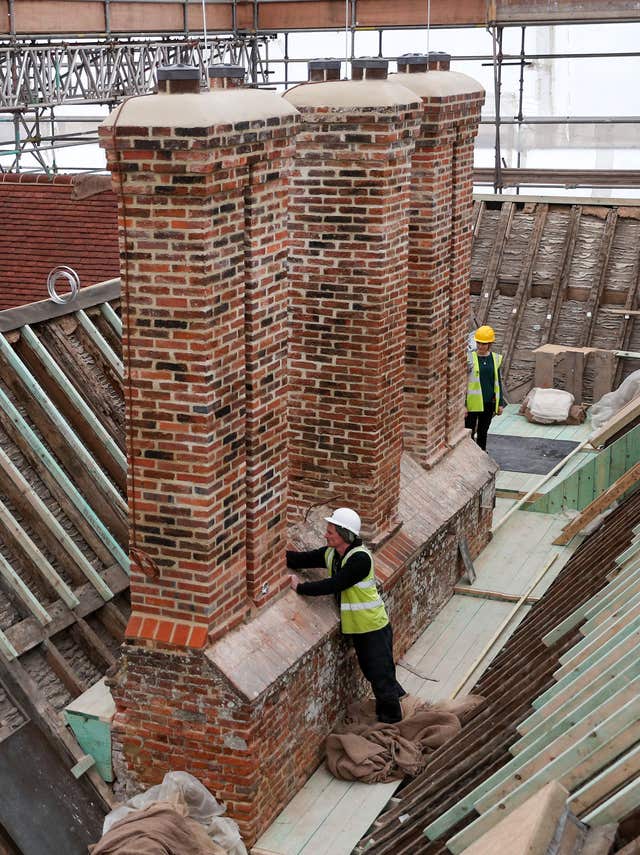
column 202, row 261
column 439, row 260
column 348, row 269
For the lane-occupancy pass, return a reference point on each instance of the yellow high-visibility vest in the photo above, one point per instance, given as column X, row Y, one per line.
column 361, row 609
column 475, row 404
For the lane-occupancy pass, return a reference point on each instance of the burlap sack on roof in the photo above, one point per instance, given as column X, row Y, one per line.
column 158, row 830
column 365, row 750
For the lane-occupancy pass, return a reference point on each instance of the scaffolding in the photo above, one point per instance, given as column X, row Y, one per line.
column 39, row 75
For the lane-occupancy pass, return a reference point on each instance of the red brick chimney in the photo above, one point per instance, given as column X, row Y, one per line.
column 439, row 254
column 201, row 180
column 348, row 227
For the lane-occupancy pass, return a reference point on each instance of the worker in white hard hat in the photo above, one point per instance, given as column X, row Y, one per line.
column 362, row 613
column 485, row 395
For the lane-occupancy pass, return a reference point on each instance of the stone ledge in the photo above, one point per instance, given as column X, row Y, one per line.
column 254, row 656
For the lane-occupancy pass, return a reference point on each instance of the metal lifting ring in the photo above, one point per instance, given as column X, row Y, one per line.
column 72, row 278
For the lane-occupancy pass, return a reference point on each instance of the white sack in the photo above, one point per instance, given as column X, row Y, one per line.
column 548, row 406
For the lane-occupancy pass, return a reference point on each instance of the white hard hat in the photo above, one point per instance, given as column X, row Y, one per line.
column 345, row 518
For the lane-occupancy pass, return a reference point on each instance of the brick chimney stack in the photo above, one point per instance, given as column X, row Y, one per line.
column 201, row 180
column 439, row 254
column 348, row 227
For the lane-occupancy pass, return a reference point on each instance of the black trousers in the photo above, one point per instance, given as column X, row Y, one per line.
column 375, row 657
column 479, row 423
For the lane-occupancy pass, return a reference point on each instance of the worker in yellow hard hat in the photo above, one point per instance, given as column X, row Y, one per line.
column 485, row 396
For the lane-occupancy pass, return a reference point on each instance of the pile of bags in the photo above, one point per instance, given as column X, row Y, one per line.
column 177, row 817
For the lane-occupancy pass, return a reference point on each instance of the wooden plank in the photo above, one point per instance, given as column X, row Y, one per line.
column 63, row 670
column 629, row 312
column 590, row 645
column 113, row 620
column 112, row 318
column 578, row 704
column 50, row 422
column 83, row 765
column 561, row 281
column 585, row 485
column 608, row 781
column 599, row 505
column 609, row 659
column 575, row 765
column 66, row 494
column 465, row 590
column 463, row 548
column 491, row 276
column 523, row 290
column 45, row 310
column 19, row 541
column 618, row 806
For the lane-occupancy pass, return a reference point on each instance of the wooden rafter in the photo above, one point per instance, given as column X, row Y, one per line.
column 490, row 280
column 17, row 540
column 65, row 493
column 63, row 670
column 562, row 279
column 57, row 342
column 96, row 649
column 600, row 275
column 68, row 400
column 626, row 328
column 50, row 532
column 52, row 424
column 524, row 287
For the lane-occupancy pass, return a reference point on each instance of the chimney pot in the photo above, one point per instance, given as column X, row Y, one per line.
column 369, row 68
column 178, row 79
column 226, row 76
column 321, row 70
column 412, row 63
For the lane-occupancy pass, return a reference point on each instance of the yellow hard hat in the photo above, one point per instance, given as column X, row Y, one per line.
column 485, row 335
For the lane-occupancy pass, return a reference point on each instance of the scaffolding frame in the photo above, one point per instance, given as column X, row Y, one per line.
column 38, row 75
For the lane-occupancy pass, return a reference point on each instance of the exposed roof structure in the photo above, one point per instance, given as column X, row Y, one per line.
column 46, row 222
column 567, row 661
column 63, row 516
column 556, row 272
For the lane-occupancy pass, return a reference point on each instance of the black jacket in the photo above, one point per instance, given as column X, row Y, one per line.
column 344, row 574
